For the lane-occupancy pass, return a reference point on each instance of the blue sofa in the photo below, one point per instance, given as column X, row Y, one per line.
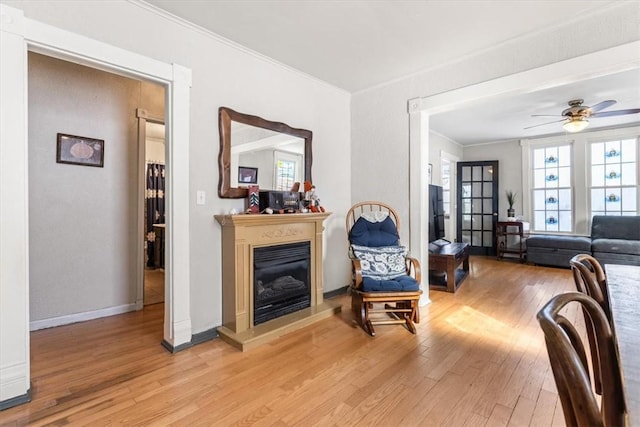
column 614, row 240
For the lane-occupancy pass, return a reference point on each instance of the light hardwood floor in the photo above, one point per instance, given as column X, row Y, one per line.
column 153, row 286
column 478, row 359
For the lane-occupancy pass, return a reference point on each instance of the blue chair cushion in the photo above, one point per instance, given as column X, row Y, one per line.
column 374, row 234
column 401, row 283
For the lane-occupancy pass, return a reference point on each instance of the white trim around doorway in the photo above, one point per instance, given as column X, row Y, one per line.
column 20, row 35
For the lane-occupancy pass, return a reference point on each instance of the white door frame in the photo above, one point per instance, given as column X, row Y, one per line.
column 20, row 35
column 451, row 222
column 609, row 61
column 143, row 117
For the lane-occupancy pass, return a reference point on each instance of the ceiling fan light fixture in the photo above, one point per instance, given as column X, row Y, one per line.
column 575, row 124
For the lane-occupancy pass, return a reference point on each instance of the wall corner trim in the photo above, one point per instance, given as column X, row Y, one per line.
column 414, row 105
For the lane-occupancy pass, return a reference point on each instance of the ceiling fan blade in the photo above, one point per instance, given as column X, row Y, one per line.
column 542, row 124
column 602, row 105
column 547, row 115
column 617, row 112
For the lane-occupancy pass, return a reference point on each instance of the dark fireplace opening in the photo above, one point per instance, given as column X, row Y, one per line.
column 282, row 280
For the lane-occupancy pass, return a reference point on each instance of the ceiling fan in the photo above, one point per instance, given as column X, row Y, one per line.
column 575, row 117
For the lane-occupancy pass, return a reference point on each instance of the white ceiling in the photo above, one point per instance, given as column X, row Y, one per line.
column 504, row 118
column 358, row 44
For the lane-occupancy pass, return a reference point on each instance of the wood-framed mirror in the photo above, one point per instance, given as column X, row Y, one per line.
column 254, row 150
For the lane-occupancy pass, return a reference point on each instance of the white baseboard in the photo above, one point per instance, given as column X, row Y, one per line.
column 80, row 317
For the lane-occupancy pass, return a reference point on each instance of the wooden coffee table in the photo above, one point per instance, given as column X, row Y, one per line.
column 447, row 258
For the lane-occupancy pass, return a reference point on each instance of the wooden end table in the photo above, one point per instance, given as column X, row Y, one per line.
column 448, row 258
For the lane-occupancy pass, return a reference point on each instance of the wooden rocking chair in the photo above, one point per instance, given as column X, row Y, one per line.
column 383, row 274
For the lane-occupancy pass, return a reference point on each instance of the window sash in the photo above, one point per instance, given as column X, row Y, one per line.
column 552, row 192
column 613, row 177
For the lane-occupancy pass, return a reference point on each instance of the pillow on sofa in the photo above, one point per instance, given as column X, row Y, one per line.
column 381, row 263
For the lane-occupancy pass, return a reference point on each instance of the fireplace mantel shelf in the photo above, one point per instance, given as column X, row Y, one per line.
column 240, row 235
column 260, row 219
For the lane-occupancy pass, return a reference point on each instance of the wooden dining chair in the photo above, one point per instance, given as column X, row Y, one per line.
column 589, row 278
column 386, row 281
column 570, row 367
column 596, row 272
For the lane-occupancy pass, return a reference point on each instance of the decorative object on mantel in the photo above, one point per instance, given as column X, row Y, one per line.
column 311, row 198
column 511, row 200
column 80, row 150
column 254, row 199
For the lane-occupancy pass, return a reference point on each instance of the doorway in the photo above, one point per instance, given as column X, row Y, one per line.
column 478, row 201
column 154, row 209
column 448, row 164
column 17, row 39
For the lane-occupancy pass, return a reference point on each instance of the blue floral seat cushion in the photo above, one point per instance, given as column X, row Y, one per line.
column 381, row 263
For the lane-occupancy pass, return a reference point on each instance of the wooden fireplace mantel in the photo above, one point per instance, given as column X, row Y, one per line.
column 240, row 235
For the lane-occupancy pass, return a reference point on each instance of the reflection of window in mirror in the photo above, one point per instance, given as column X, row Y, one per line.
column 287, row 170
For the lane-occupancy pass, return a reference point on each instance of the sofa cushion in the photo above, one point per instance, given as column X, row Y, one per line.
column 552, row 256
column 577, row 243
column 617, row 246
column 615, row 227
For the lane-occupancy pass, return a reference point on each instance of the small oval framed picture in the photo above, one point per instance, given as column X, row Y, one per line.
column 80, row 150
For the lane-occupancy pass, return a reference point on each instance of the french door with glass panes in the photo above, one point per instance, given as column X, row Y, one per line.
column 478, row 205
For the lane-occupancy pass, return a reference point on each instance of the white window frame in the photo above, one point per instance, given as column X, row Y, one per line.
column 581, row 165
column 530, row 170
column 616, row 134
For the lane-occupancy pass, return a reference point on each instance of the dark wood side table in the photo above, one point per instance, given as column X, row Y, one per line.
column 510, row 238
column 447, row 258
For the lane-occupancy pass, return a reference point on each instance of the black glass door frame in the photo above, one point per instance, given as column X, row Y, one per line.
column 477, row 216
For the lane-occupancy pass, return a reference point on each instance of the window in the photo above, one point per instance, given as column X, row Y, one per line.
column 552, row 193
column 445, row 166
column 614, row 182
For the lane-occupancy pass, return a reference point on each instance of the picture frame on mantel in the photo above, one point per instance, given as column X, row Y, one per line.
column 80, row 150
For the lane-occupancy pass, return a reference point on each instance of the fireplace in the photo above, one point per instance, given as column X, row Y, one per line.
column 262, row 254
column 282, row 278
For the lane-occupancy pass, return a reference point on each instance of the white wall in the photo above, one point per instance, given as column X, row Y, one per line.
column 380, row 122
column 154, row 147
column 225, row 75
column 439, row 144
